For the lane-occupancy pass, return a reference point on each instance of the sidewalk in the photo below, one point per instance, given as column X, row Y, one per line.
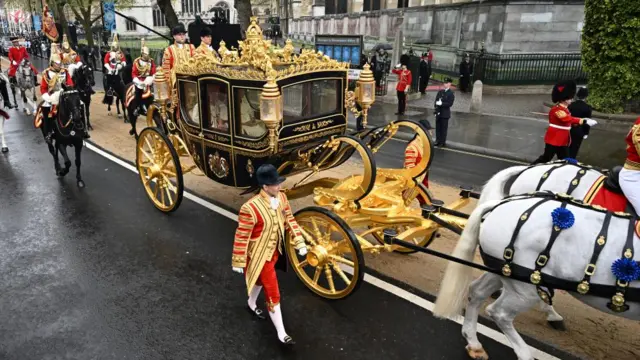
column 511, row 137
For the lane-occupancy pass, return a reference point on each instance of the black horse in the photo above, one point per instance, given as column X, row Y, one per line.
column 68, row 130
column 84, row 81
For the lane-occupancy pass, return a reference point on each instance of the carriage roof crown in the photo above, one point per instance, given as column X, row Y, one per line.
column 257, row 59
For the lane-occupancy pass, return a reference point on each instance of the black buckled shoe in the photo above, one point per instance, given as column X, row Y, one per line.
column 288, row 341
column 258, row 313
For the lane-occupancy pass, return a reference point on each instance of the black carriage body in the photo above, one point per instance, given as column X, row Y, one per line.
column 226, row 137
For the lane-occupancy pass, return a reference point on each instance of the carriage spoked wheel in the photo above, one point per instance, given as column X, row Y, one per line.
column 159, row 168
column 423, row 241
column 334, row 265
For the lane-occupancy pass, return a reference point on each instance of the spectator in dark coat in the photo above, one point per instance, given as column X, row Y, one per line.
column 579, row 109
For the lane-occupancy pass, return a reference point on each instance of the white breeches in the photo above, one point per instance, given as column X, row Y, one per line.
column 630, row 185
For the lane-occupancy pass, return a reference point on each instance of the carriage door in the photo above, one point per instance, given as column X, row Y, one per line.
column 216, row 128
column 191, row 123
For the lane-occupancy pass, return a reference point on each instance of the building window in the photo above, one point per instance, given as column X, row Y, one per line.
column 371, row 5
column 131, row 26
column 403, row 4
column 158, row 18
column 191, row 7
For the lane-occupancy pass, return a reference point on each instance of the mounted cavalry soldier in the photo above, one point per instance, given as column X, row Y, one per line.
column 258, row 247
column 114, row 62
column 143, row 74
column 557, row 137
column 176, row 53
column 68, row 55
column 53, row 78
column 17, row 53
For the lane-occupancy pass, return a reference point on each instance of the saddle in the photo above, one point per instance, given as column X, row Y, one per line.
column 612, row 181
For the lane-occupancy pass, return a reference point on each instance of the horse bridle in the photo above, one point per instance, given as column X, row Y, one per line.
column 74, row 124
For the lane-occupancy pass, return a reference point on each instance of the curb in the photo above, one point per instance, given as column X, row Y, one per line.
column 468, row 148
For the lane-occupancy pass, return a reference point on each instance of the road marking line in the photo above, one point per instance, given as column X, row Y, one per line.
column 379, row 283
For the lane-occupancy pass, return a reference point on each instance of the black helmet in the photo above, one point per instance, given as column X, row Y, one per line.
column 267, row 174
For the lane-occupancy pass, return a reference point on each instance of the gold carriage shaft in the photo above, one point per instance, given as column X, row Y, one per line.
column 262, row 104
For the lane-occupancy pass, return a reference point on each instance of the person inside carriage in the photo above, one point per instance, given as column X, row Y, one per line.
column 53, row 79
column 143, row 74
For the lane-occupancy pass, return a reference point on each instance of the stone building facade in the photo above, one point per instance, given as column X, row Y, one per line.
column 501, row 26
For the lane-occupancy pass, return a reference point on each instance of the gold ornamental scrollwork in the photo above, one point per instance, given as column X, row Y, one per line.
column 250, row 169
column 257, row 59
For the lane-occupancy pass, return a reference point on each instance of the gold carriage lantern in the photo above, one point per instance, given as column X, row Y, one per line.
column 271, row 110
column 366, row 94
column 161, row 87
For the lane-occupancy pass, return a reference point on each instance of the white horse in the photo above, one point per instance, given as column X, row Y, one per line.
column 562, row 176
column 25, row 80
column 3, row 116
column 571, row 240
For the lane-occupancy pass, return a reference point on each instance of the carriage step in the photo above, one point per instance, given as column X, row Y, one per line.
column 389, row 235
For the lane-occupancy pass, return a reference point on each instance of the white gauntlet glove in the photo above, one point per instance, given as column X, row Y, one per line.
column 586, row 136
column 239, row 270
column 439, row 102
column 591, row 122
column 14, row 63
column 302, row 251
column 149, row 80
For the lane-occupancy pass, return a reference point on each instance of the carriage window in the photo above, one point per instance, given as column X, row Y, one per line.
column 189, row 92
column 311, row 99
column 217, row 107
column 248, row 113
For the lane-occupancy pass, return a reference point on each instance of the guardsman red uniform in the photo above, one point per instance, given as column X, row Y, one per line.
column 259, row 244
column 143, row 74
column 558, row 133
column 177, row 53
column 633, row 147
column 50, row 87
column 404, row 82
column 16, row 54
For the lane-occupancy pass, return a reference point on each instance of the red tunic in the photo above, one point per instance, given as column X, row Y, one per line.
column 44, row 84
column 633, row 145
column 136, row 73
column 17, row 54
column 404, row 79
column 560, row 121
column 107, row 58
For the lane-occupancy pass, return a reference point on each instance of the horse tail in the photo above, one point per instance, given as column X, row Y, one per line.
column 455, row 284
column 495, row 189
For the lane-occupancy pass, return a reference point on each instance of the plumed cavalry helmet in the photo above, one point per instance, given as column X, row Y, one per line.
column 114, row 43
column 55, row 55
column 143, row 49
column 564, row 90
column 65, row 42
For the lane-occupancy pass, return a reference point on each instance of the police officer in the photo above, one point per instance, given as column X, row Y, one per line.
column 444, row 102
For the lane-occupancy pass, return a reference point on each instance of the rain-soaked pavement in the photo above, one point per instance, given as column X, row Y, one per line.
column 98, row 273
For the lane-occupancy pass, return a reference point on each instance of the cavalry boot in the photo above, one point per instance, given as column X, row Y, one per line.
column 276, row 318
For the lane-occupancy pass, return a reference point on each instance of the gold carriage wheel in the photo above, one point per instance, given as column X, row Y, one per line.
column 334, row 265
column 159, row 168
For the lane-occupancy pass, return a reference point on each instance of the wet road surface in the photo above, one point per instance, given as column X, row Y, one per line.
column 98, row 273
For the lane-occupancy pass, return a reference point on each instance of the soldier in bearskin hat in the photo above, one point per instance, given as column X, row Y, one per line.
column 557, row 137
column 258, row 248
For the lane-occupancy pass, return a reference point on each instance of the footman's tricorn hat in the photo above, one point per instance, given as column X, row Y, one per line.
column 564, row 90
column 178, row 29
column 268, row 175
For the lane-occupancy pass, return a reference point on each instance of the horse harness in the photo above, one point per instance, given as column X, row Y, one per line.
column 545, row 284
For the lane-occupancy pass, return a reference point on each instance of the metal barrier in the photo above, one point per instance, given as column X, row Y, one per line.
column 528, row 69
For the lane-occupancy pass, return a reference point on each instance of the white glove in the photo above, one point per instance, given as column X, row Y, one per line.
column 439, row 102
column 586, row 136
column 302, row 251
column 54, row 99
column 399, row 65
column 107, row 67
column 137, row 81
column 46, row 97
column 149, row 80
column 591, row 122
column 119, row 67
column 239, row 270
column 14, row 63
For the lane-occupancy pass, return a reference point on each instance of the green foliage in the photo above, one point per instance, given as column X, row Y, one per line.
column 611, row 52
